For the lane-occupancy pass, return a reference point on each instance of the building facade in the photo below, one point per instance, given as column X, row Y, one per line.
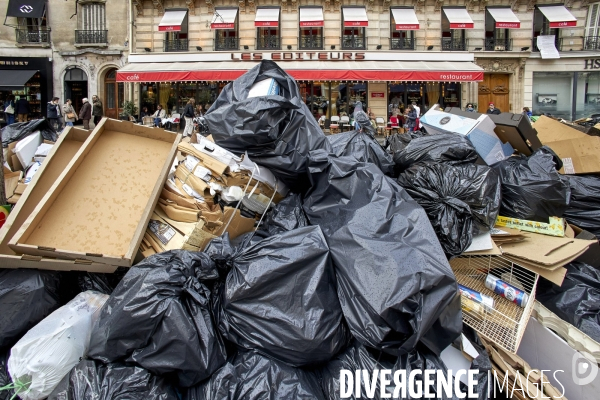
column 72, row 48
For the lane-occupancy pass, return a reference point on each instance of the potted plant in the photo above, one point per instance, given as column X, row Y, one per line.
column 129, row 109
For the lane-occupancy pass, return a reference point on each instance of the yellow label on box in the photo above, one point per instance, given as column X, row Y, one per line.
column 554, row 227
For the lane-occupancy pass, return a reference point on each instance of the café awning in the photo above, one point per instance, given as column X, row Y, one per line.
column 11, row 79
column 172, row 21
column 224, row 18
column 311, row 70
column 311, row 16
column 459, row 18
column 558, row 16
column 504, row 17
column 26, row 8
column 267, row 17
column 355, row 16
column 405, row 19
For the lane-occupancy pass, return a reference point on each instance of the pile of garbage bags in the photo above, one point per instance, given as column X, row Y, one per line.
column 349, row 271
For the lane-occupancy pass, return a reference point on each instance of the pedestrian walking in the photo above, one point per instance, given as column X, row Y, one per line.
column 188, row 114
column 53, row 113
column 85, row 113
column 412, row 118
column 22, row 109
column 9, row 109
column 97, row 109
column 69, row 112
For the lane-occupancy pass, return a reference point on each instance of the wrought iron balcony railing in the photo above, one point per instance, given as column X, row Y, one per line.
column 407, row 43
column 227, row 43
column 310, row 42
column 176, row 45
column 91, row 37
column 492, row 44
column 354, row 43
column 449, row 44
column 268, row 43
column 33, row 35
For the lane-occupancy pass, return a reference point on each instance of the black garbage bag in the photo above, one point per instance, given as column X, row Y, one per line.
column 584, row 208
column 532, row 188
column 355, row 357
column 460, row 200
column 397, row 142
column 482, row 363
column 277, row 131
column 159, row 318
column 27, row 296
column 451, row 149
column 252, row 376
column 280, row 299
column 93, row 380
column 363, row 146
column 5, row 380
column 19, row 130
column 422, row 359
column 394, row 281
column 577, row 301
column 75, row 282
column 286, row 216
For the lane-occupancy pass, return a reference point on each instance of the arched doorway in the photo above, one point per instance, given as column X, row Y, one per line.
column 113, row 91
column 76, row 87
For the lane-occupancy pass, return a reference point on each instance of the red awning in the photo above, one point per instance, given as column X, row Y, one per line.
column 267, row 17
column 504, row 17
column 405, row 19
column 355, row 16
column 311, row 16
column 171, row 21
column 558, row 16
column 443, row 71
column 224, row 18
column 459, row 18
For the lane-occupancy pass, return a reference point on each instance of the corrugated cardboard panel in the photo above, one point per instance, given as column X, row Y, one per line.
column 99, row 207
column 547, row 251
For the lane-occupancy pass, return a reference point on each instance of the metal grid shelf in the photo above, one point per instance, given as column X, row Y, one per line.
column 505, row 323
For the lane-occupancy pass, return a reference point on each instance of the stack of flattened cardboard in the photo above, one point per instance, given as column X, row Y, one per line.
column 209, row 192
column 97, row 201
column 523, row 382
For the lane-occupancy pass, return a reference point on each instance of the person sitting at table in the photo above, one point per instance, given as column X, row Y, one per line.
column 158, row 115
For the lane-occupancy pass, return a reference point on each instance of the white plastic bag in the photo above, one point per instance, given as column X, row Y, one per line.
column 42, row 357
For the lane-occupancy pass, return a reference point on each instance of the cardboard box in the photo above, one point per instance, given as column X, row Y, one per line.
column 99, row 207
column 515, row 129
column 480, row 132
column 579, row 152
column 68, row 144
column 554, row 227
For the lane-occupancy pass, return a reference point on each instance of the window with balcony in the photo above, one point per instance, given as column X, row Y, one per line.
column 354, row 23
column 550, row 21
column 455, row 20
column 92, row 24
column 225, row 25
column 498, row 22
column 311, row 28
column 267, row 28
column 33, row 31
column 29, row 22
column 592, row 28
column 174, row 24
column 403, row 24
column 541, row 27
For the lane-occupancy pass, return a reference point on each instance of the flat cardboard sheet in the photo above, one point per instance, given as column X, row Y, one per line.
column 547, row 251
column 579, row 152
column 99, row 207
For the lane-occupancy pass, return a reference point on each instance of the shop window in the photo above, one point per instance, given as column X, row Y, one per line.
column 225, row 25
column 496, row 39
column 588, row 94
column 592, row 28
column 348, row 95
column 450, row 94
column 541, row 27
column 553, row 94
column 311, row 28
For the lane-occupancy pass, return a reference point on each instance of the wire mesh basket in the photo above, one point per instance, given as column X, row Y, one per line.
column 499, row 318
